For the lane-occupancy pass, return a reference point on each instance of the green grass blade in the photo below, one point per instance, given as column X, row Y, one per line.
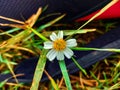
column 97, row 49
column 115, row 79
column 68, row 32
column 2, row 83
column 65, row 74
column 38, row 34
column 77, row 64
column 8, row 63
column 115, row 86
column 55, row 86
column 50, row 23
column 93, row 75
column 39, row 70
column 19, row 37
column 106, row 79
column 42, row 27
column 10, row 31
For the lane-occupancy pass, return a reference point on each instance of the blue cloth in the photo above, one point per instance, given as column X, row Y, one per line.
column 74, row 9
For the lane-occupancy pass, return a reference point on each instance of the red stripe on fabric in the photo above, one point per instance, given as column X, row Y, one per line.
column 112, row 12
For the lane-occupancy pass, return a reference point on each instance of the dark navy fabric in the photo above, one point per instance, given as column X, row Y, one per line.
column 23, row 9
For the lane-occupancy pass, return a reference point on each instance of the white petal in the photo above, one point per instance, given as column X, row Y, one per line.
column 68, row 53
column 48, row 45
column 51, row 55
column 53, row 36
column 60, row 55
column 60, row 34
column 71, row 43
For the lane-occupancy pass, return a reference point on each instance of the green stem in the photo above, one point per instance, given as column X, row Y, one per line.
column 77, row 64
column 97, row 49
column 65, row 74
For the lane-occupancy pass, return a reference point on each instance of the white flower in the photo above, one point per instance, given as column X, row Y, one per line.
column 59, row 47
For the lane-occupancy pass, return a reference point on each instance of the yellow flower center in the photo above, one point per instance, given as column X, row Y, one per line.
column 59, row 44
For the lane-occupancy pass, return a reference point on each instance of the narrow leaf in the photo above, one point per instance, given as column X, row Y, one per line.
column 77, row 64
column 65, row 74
column 39, row 70
column 52, row 81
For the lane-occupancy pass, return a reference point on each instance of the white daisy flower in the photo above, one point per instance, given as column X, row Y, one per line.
column 59, row 47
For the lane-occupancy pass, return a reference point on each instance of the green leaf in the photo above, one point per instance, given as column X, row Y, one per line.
column 39, row 70
column 65, row 74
